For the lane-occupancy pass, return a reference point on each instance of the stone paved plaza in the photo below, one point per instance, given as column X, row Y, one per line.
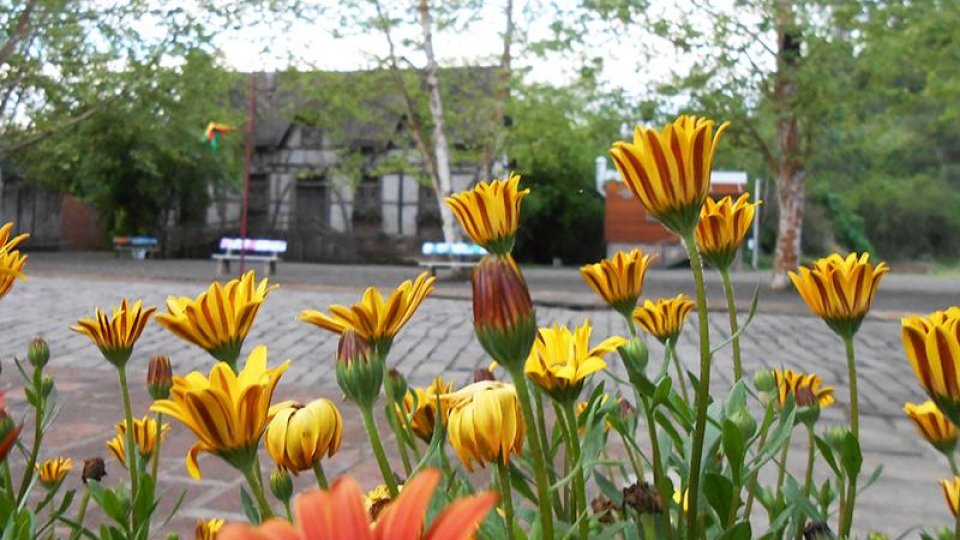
column 439, row 339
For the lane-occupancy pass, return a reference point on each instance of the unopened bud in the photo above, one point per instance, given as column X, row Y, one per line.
column 93, row 469
column 835, row 437
column 635, row 356
column 481, row 374
column 745, row 423
column 159, row 377
column 281, row 484
column 359, row 372
column 763, row 380
column 808, row 406
column 46, row 385
column 38, row 353
column 627, row 410
column 395, row 386
column 503, row 315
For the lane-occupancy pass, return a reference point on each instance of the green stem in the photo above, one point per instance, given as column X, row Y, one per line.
column 8, row 478
column 956, row 528
column 81, row 514
column 703, row 391
column 811, row 455
column 321, row 477
column 952, row 459
column 286, row 508
column 580, row 485
column 155, row 466
column 131, row 454
column 734, row 325
column 34, row 450
column 506, row 497
column 400, row 437
column 782, row 471
column 631, row 325
column 671, row 352
column 255, row 481
column 659, row 475
column 637, row 466
column 754, row 486
column 371, row 425
column 847, row 521
column 536, row 455
column 545, row 443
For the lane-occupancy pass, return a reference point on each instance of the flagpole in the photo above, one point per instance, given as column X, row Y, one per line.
column 246, row 173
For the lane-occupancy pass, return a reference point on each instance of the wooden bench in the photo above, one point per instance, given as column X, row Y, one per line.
column 258, row 250
column 139, row 247
column 450, row 255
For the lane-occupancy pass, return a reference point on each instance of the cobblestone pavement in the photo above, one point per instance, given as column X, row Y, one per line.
column 439, row 339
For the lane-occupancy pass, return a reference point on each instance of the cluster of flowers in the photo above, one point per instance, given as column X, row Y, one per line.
column 544, row 457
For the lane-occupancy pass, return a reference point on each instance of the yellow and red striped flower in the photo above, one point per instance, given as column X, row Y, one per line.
column 374, row 319
column 116, row 335
column 932, row 345
column 664, row 318
column 339, row 514
column 723, row 226
column 951, row 494
column 53, row 471
column 669, row 170
column 619, row 279
column 806, row 388
column 299, row 436
column 503, row 314
column 933, row 426
column 208, row 529
column 485, row 423
column 840, row 290
column 420, row 404
column 144, row 436
column 490, row 213
column 11, row 261
column 220, row 318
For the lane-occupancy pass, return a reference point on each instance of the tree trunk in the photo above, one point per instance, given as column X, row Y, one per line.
column 790, row 177
column 441, row 150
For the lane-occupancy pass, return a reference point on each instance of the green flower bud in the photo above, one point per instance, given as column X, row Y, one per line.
column 359, row 370
column 46, row 385
column 745, row 423
column 503, row 314
column 38, row 353
column 763, row 380
column 835, row 437
column 395, row 386
column 159, row 377
column 635, row 356
column 281, row 484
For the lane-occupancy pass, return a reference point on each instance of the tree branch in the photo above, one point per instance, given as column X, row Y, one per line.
column 44, row 134
column 19, row 32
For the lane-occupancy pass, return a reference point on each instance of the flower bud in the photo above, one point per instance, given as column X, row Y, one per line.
column 763, row 380
column 808, row 407
column 46, row 385
column 744, row 422
column 281, row 484
column 395, row 386
column 635, row 356
column 38, row 353
column 93, row 469
column 835, row 437
column 159, row 377
column 359, row 371
column 481, row 374
column 503, row 314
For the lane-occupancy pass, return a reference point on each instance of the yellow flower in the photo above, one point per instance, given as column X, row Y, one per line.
column 840, row 290
column 377, row 499
column 53, row 471
column 373, row 319
column 144, row 436
column 421, row 405
column 933, row 426
column 485, row 423
column 664, row 318
column 227, row 412
column 207, row 529
column 561, row 360
column 582, row 408
column 669, row 171
column 619, row 280
column 805, row 388
column 951, row 493
column 932, row 345
column 116, row 335
column 219, row 319
column 490, row 213
column 300, row 436
column 723, row 226
column 11, row 261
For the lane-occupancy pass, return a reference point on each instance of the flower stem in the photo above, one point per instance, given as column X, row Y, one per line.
column 398, row 432
column 81, row 514
column 321, row 477
column 782, row 471
column 703, row 392
column 952, row 459
column 254, row 479
column 131, row 454
column 846, row 523
column 637, row 466
column 506, row 497
column 371, row 425
column 579, row 483
column 35, row 449
column 536, row 456
column 811, row 455
column 155, row 466
column 659, row 476
column 753, row 486
column 734, row 325
column 670, row 352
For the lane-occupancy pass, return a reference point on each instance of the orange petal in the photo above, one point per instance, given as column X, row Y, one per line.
column 403, row 520
column 460, row 520
column 275, row 529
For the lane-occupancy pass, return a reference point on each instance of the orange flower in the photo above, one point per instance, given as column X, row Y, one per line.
column 339, row 514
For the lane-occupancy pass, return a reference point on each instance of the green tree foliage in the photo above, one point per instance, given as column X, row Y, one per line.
column 557, row 134
column 143, row 160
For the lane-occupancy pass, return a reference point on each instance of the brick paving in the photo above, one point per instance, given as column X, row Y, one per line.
column 439, row 339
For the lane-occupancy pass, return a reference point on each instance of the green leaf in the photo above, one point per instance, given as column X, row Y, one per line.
column 874, row 476
column 108, row 501
column 850, row 456
column 608, row 488
column 718, row 490
column 740, row 531
column 827, row 454
column 746, row 324
column 734, row 448
column 249, row 508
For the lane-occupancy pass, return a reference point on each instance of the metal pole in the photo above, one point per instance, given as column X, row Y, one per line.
column 246, row 174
